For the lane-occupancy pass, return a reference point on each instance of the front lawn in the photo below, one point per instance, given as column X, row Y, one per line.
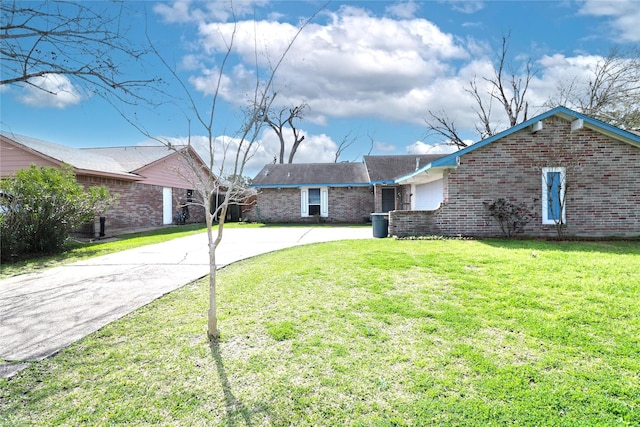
column 378, row 332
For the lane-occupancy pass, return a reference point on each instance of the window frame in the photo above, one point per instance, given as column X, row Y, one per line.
column 304, row 201
column 545, row 196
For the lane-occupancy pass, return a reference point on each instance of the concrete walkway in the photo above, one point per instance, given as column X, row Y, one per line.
column 44, row 312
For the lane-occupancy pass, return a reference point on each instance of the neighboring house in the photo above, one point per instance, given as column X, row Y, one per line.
column 150, row 181
column 334, row 192
column 565, row 167
column 313, row 192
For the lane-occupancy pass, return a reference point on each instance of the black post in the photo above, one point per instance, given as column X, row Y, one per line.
column 103, row 220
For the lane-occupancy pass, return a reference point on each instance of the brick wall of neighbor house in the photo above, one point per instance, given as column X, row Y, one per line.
column 138, row 205
column 602, row 189
column 350, row 205
column 346, row 205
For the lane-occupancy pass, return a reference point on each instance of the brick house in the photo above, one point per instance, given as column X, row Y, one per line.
column 149, row 180
column 313, row 192
column 333, row 192
column 568, row 169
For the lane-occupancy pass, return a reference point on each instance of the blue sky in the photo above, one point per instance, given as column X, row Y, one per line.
column 369, row 71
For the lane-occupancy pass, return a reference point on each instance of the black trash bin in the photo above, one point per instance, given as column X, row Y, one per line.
column 380, row 222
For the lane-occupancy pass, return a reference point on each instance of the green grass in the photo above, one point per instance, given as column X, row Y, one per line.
column 367, row 333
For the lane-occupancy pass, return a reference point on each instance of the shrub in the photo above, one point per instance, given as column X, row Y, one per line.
column 39, row 208
column 511, row 217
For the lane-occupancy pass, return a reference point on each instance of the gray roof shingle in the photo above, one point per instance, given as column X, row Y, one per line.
column 123, row 161
column 388, row 168
column 133, row 158
column 294, row 174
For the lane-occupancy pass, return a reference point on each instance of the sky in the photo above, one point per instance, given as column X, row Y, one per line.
column 369, row 72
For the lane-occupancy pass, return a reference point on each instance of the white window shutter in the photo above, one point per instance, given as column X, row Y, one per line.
column 304, row 204
column 324, row 203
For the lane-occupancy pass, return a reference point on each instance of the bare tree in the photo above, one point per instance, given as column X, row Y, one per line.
column 226, row 156
column 511, row 90
column 71, row 39
column 347, row 141
column 611, row 92
column 507, row 86
column 282, row 118
column 441, row 124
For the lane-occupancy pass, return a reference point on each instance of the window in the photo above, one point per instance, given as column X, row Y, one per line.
column 553, row 191
column 314, row 201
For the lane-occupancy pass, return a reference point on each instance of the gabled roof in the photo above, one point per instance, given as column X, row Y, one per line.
column 134, row 158
column 451, row 160
column 312, row 174
column 80, row 160
column 385, row 169
column 121, row 162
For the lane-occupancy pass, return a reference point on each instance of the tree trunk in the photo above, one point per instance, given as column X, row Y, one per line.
column 212, row 316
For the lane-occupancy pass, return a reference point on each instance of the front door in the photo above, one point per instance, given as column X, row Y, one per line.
column 388, row 199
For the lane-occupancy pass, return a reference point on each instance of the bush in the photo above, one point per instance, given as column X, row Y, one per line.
column 39, row 208
column 511, row 217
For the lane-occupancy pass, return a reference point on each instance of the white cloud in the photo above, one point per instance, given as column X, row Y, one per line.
column 466, row 6
column 624, row 17
column 397, row 70
column 187, row 11
column 403, row 10
column 384, row 147
column 337, row 68
column 50, row 90
column 420, row 147
column 314, row 149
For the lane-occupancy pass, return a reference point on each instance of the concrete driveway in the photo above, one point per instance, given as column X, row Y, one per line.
column 44, row 312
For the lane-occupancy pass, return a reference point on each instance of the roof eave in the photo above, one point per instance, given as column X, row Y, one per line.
column 340, row 184
column 413, row 177
column 384, row 182
column 599, row 126
column 126, row 176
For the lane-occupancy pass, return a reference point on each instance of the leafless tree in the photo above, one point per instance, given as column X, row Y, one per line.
column 347, row 141
column 508, row 87
column 611, row 93
column 225, row 157
column 72, row 39
column 279, row 120
column 441, row 124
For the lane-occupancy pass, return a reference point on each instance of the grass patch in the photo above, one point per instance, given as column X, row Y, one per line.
column 359, row 333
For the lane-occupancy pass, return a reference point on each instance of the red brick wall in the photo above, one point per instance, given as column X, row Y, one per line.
column 138, row 205
column 346, row 205
column 602, row 189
